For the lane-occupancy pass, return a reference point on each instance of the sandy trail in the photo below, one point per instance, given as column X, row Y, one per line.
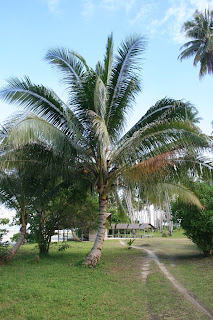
column 174, row 282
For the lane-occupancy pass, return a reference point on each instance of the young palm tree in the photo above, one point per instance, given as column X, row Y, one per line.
column 200, row 30
column 88, row 131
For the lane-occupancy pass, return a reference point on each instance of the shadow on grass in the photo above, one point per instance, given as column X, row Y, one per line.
column 182, row 257
column 145, row 245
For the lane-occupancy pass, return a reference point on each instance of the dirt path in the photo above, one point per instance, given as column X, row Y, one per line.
column 175, row 283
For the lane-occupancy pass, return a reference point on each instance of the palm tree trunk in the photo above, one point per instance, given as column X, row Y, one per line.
column 11, row 252
column 93, row 258
column 75, row 238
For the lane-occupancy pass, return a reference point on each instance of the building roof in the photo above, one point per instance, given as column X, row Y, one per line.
column 131, row 226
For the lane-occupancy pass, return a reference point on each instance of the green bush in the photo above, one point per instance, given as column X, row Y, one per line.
column 3, row 245
column 63, row 247
column 197, row 224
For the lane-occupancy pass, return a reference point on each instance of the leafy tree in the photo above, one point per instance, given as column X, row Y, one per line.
column 69, row 208
column 17, row 192
column 200, row 30
column 3, row 245
column 197, row 223
column 88, row 131
column 23, row 186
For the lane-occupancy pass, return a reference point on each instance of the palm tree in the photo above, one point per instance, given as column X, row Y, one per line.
column 200, row 30
column 88, row 131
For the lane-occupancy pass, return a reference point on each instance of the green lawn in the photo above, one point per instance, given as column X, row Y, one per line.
column 60, row 287
column 177, row 234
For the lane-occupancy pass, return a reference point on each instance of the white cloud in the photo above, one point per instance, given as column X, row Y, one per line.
column 144, row 12
column 129, row 5
column 113, row 5
column 174, row 17
column 201, row 4
column 53, row 5
column 110, row 4
column 150, row 13
column 88, row 8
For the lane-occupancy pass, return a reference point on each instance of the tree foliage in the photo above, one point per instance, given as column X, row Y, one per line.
column 69, row 208
column 3, row 244
column 197, row 224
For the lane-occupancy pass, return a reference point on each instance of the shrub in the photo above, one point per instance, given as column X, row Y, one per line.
column 3, row 245
column 63, row 247
column 197, row 224
column 130, row 242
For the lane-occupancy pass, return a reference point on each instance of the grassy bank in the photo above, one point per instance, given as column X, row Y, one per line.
column 60, row 287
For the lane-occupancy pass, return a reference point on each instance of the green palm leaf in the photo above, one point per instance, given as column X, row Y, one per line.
column 200, row 29
column 124, row 75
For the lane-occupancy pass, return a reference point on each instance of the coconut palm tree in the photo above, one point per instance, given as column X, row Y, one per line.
column 88, row 131
column 200, row 30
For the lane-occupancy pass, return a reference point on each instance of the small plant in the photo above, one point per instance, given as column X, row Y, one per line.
column 36, row 259
column 130, row 242
column 63, row 247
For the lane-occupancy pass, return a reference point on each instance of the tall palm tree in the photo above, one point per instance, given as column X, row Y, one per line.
column 88, row 130
column 200, row 30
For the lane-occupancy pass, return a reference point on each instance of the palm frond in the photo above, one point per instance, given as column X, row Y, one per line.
column 35, row 98
column 151, row 170
column 77, row 55
column 106, row 69
column 155, row 138
column 124, row 72
column 168, row 109
column 30, row 129
column 71, row 65
column 200, row 29
column 159, row 190
column 100, row 129
column 100, row 98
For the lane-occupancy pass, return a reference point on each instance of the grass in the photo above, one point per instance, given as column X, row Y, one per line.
column 186, row 263
column 61, row 287
column 165, row 302
column 177, row 234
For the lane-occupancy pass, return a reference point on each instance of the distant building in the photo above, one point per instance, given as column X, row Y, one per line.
column 130, row 229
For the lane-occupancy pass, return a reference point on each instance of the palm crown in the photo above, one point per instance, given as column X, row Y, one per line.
column 88, row 131
column 200, row 30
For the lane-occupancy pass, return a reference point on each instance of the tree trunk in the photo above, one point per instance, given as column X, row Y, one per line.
column 44, row 248
column 75, row 238
column 168, row 214
column 93, row 258
column 11, row 252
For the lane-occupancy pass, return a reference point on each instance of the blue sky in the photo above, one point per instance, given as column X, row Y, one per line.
column 29, row 28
